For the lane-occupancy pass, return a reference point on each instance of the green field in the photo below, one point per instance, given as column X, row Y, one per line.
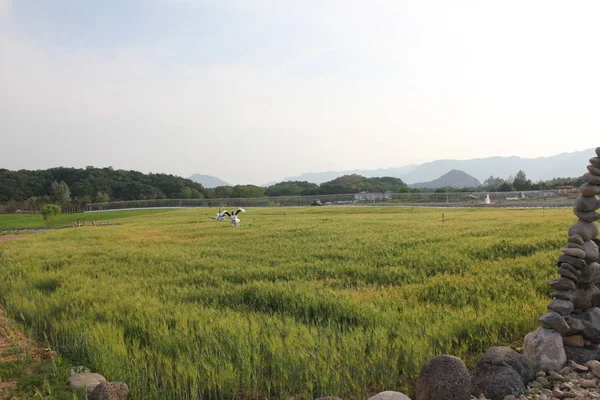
column 303, row 303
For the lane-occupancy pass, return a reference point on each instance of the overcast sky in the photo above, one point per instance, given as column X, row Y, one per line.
column 253, row 91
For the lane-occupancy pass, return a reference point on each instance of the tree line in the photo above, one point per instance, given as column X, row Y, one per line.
column 79, row 186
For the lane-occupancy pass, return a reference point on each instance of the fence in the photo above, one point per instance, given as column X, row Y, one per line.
column 544, row 198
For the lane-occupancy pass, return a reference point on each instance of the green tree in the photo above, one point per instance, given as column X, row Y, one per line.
column 49, row 211
column 185, row 193
column 521, row 182
column 60, row 192
column 102, row 197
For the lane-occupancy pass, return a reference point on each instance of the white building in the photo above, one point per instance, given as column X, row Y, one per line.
column 373, row 196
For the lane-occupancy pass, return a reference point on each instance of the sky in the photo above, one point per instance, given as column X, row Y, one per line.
column 254, row 91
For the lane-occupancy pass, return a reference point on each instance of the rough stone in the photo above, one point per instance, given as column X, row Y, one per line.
column 582, row 354
column 567, row 273
column 586, row 298
column 443, row 378
column 85, row 380
column 574, row 246
column 598, row 151
column 586, row 323
column 496, row 381
column 562, row 284
column 594, row 272
column 591, row 179
column 389, row 395
column 567, row 295
column 593, row 170
column 563, row 307
column 595, row 161
column 544, row 349
column 577, row 263
column 574, row 340
column 594, row 366
column 110, row 391
column 589, row 190
column 554, row 322
column 573, row 252
column 577, row 239
column 587, row 203
column 502, row 354
column 587, row 230
column 589, row 216
column 591, row 251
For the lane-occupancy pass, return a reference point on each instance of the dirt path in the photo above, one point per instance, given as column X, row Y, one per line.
column 8, row 238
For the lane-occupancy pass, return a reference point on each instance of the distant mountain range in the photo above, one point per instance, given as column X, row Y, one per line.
column 454, row 178
column 561, row 165
column 208, row 181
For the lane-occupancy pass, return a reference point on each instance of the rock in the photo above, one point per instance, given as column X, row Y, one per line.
column 554, row 322
column 443, row 378
column 562, row 284
column 84, row 380
column 597, row 151
column 544, row 348
column 577, row 263
column 595, row 161
column 587, row 203
column 589, row 190
column 563, row 307
column 587, row 230
column 586, row 297
column 591, row 251
column 594, row 272
column 594, row 366
column 574, row 246
column 579, row 367
column 591, row 179
column 588, row 383
column 503, row 354
column 389, row 395
column 573, row 340
column 114, row 391
column 576, row 239
column 566, row 273
column 573, row 252
column 582, row 354
column 593, row 170
column 496, row 381
column 589, row 216
column 567, row 295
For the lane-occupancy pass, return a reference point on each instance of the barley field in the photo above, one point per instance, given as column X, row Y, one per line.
column 296, row 303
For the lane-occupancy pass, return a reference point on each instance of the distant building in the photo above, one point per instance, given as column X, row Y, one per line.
column 373, row 196
column 566, row 190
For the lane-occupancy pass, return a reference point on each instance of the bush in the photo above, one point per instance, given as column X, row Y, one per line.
column 49, row 211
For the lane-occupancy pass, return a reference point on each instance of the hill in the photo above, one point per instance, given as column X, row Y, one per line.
column 454, row 178
column 208, row 181
column 540, row 168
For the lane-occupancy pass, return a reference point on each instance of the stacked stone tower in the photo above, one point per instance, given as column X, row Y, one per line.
column 575, row 309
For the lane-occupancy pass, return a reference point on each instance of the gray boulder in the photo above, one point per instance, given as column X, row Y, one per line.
column 587, row 230
column 443, row 378
column 389, row 395
column 496, row 381
column 544, row 349
column 110, row 391
column 502, row 354
column 84, row 380
column 582, row 355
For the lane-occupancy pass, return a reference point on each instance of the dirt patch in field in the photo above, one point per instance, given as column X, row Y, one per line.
column 8, row 238
column 16, row 347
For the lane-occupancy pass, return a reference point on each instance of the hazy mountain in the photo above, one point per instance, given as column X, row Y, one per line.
column 320, row 177
column 208, row 181
column 561, row 165
column 454, row 178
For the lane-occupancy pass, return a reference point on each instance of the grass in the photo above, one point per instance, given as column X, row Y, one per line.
column 303, row 303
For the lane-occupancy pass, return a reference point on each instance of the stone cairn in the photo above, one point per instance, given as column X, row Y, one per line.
column 575, row 309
